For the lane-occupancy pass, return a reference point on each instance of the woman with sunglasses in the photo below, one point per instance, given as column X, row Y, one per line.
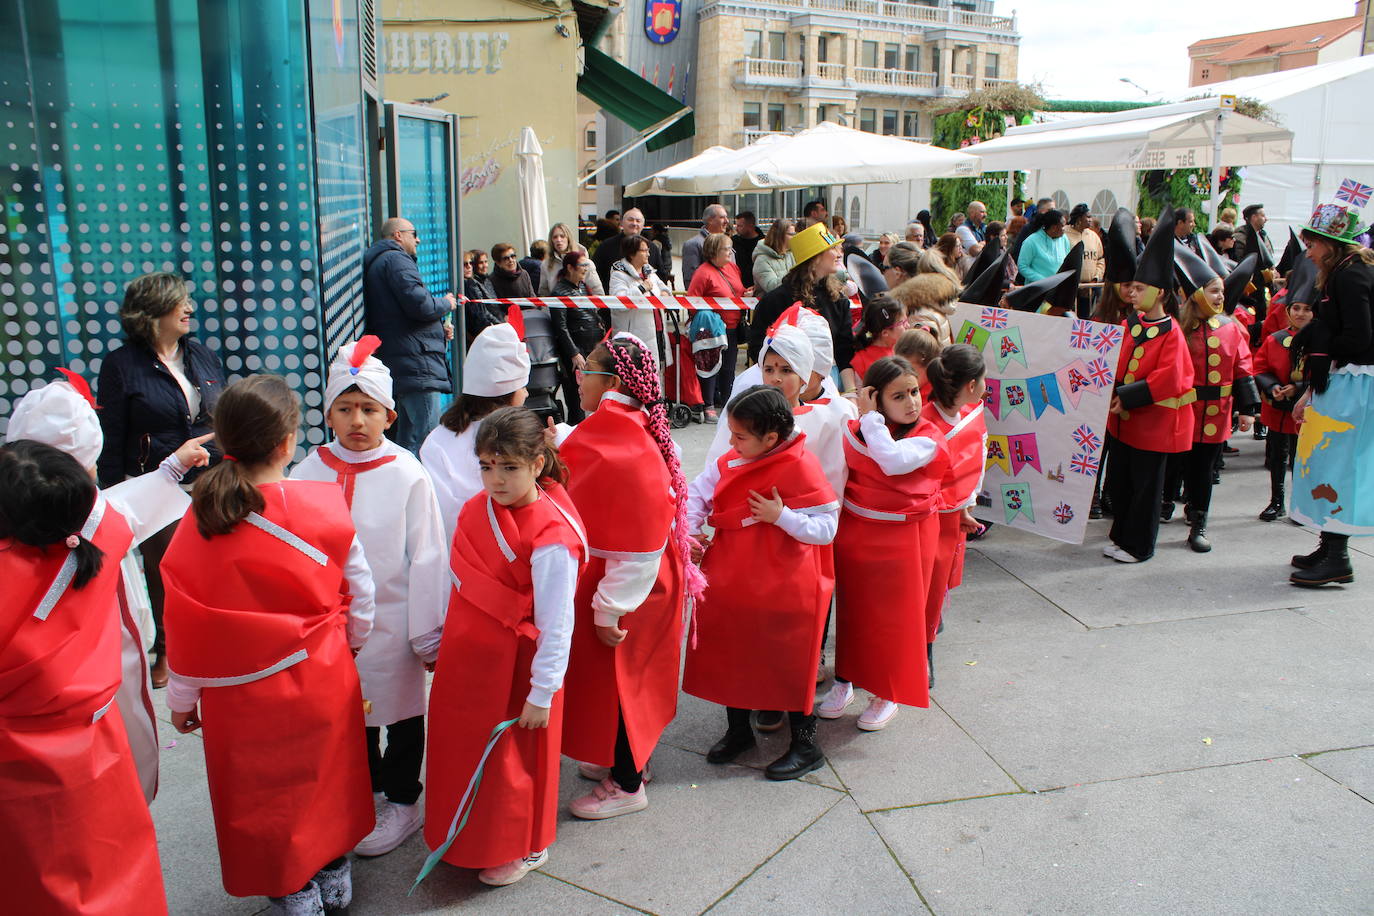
column 508, row 278
column 478, row 315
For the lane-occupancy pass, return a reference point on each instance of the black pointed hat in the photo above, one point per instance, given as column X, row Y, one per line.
column 1213, row 257
column 1121, row 237
column 991, row 249
column 1236, row 282
column 986, row 288
column 1065, row 295
column 1292, row 253
column 1156, row 264
column 1266, row 257
column 1192, row 271
column 1028, row 298
column 1302, row 283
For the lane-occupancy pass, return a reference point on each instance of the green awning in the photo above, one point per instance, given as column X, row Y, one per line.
column 633, row 99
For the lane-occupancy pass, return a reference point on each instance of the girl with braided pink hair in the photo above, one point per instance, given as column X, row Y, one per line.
column 622, row 683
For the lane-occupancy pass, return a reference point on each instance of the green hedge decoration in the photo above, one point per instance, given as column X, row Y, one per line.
column 958, row 129
column 1186, row 188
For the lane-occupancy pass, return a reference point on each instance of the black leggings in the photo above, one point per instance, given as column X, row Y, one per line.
column 623, row 771
column 1192, row 472
column 1135, row 486
column 397, row 771
column 738, row 719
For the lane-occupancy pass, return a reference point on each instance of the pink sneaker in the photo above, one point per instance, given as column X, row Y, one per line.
column 513, row 871
column 609, row 800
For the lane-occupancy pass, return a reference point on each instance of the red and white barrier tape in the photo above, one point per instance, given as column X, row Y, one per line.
column 718, row 303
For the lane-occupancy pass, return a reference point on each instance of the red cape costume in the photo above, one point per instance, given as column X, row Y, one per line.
column 1274, row 366
column 968, row 454
column 613, row 463
column 257, row 619
column 884, row 561
column 760, row 622
column 1155, row 384
column 75, row 833
column 483, row 677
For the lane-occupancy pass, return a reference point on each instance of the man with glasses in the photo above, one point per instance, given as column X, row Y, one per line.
column 608, row 252
column 411, row 323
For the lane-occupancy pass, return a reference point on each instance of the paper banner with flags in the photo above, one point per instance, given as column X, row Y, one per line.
column 1049, row 382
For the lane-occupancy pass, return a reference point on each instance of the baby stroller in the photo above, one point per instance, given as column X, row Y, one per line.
column 683, row 395
column 544, row 370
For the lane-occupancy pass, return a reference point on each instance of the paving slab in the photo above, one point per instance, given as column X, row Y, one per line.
column 1353, row 621
column 380, row 887
column 706, row 829
column 922, row 756
column 839, row 865
column 1130, row 701
column 1263, row 837
column 1353, row 768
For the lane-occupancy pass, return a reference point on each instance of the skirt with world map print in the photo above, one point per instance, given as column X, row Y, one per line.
column 1333, row 473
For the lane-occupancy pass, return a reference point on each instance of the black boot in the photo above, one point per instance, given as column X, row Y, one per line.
column 803, row 755
column 1197, row 532
column 1260, row 432
column 1334, row 567
column 1309, row 560
column 739, row 737
column 1166, row 510
column 1275, row 509
column 930, row 662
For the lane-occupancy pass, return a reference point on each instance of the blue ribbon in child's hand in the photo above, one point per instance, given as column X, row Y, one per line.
column 460, row 816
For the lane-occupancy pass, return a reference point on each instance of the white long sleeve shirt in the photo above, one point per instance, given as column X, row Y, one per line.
column 807, row 524
column 554, row 574
column 895, row 456
column 451, row 460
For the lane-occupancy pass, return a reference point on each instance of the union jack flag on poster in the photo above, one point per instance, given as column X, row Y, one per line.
column 1081, row 337
column 1083, row 463
column 1100, row 373
column 993, row 318
column 1063, row 513
column 1086, row 438
column 1106, row 339
column 1354, row 193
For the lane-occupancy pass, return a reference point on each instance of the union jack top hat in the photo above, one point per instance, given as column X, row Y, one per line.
column 1340, row 220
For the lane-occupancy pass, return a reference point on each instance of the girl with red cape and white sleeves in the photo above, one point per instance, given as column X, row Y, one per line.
column 516, row 557
column 957, row 379
column 75, row 833
column 770, row 576
column 885, row 548
column 622, row 683
column 267, row 593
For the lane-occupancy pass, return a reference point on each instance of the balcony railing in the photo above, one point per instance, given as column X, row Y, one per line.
column 917, row 139
column 996, row 81
column 963, row 81
column 896, row 10
column 754, row 133
column 830, row 71
column 908, row 79
column 776, row 69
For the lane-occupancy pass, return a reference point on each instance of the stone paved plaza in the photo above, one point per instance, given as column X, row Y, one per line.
column 1189, row 735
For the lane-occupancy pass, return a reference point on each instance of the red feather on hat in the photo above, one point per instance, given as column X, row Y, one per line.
column 365, row 347
column 792, row 316
column 80, row 384
column 517, row 320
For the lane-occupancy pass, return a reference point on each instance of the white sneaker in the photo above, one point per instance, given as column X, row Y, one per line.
column 395, row 824
column 877, row 715
column 1119, row 555
column 833, row 706
column 511, row 872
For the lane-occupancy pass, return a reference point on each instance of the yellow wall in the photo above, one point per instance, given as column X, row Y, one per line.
column 505, row 67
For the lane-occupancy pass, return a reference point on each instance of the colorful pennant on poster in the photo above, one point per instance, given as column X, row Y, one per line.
column 1073, row 381
column 1014, row 399
column 992, row 398
column 1023, row 451
column 974, row 336
column 1044, row 393
column 998, row 454
column 1016, row 500
column 1007, row 346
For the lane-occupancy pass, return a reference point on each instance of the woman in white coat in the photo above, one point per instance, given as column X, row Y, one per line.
column 633, row 276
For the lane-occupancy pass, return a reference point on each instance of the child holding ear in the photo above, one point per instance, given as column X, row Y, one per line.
column 885, row 548
column 769, row 579
column 392, row 503
column 517, row 554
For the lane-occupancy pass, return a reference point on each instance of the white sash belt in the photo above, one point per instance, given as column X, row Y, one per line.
column 875, row 514
column 294, row 658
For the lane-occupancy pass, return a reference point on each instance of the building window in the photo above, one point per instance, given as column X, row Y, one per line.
column 854, row 213
column 890, row 56
column 969, row 60
column 1104, row 206
column 991, row 66
column 775, row 116
column 913, row 58
column 589, row 138
column 753, row 116
column 911, row 124
column 822, row 44
column 777, row 46
column 753, row 43
column 1206, row 73
column 820, row 113
column 801, row 48
column 868, row 120
column 869, row 54
column 889, row 122
column 1061, row 201
column 591, row 182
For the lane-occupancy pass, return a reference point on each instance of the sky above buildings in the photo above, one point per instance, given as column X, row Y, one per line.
column 1080, row 49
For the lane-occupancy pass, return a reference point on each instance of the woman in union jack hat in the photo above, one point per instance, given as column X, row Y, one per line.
column 1333, row 476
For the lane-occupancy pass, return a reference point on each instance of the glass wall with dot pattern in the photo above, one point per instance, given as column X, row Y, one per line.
column 154, row 135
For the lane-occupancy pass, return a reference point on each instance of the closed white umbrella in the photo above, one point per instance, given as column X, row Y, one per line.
column 820, row 155
column 534, row 198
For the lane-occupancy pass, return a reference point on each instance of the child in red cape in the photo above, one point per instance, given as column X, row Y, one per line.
column 268, row 599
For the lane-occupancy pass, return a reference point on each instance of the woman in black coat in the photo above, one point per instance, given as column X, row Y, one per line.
column 155, row 392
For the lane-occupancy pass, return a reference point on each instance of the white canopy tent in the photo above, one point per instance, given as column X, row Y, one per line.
column 826, row 154
column 658, row 182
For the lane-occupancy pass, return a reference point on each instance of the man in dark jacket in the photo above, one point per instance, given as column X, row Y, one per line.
column 410, row 322
column 608, row 252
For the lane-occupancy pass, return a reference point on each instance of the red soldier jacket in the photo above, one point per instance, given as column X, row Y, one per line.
column 1222, row 373
column 1155, row 385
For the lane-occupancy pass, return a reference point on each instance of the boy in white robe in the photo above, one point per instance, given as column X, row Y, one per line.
column 401, row 531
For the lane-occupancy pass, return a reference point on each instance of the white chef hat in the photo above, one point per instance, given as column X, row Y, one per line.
column 60, row 414
column 354, row 364
column 497, row 363
column 817, row 330
column 791, row 343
